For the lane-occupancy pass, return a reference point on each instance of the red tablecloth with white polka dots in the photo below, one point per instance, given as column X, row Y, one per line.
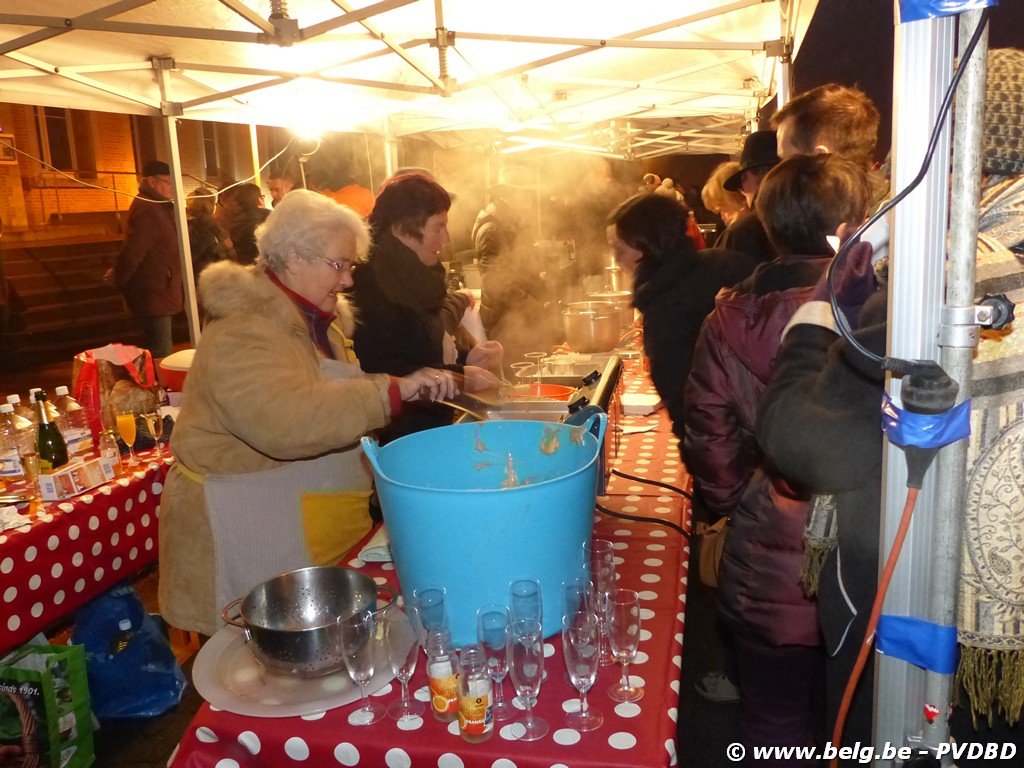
column 651, row 559
column 69, row 552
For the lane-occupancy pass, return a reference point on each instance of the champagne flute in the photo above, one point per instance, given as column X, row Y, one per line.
column 603, row 577
column 581, row 641
column 527, row 602
column 356, row 638
column 155, row 423
column 624, row 636
column 526, row 653
column 538, row 369
column 399, row 630
column 126, row 428
column 578, row 594
column 492, row 622
column 429, row 604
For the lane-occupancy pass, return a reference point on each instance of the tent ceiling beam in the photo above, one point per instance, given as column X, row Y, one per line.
column 82, row 80
column 352, row 17
column 63, row 26
column 395, row 48
column 594, row 42
column 59, row 25
column 283, row 77
column 646, row 31
column 249, row 15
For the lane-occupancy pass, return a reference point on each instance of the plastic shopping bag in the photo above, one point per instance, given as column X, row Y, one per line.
column 115, row 376
column 132, row 669
column 44, row 708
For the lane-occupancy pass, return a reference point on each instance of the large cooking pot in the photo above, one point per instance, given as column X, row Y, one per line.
column 291, row 621
column 621, row 300
column 591, row 326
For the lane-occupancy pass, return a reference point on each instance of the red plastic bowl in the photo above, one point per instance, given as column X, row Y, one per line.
column 546, row 391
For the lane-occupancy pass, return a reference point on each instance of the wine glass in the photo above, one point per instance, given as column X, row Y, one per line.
column 598, row 550
column 538, row 369
column 429, row 603
column 155, row 423
column 602, row 576
column 581, row 641
column 355, row 633
column 126, row 429
column 624, row 636
column 527, row 602
column 578, row 594
column 403, row 643
column 492, row 622
column 526, row 653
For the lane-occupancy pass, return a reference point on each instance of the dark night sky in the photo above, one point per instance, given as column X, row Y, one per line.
column 851, row 42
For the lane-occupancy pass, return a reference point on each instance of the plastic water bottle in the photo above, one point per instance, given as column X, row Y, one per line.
column 123, row 637
column 22, row 410
column 75, row 426
column 23, row 433
column 10, row 455
column 108, row 449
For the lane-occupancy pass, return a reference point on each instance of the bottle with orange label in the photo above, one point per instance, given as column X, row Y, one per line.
column 476, row 721
column 442, row 675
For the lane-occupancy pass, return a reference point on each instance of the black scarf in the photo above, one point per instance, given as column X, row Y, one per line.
column 404, row 279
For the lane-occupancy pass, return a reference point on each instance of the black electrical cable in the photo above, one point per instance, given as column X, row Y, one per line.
column 641, row 519
column 644, row 480
column 897, row 365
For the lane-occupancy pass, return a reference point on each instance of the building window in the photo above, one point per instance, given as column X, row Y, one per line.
column 56, row 140
column 210, row 149
column 144, row 139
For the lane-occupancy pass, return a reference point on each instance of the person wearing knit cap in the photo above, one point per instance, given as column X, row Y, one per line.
column 148, row 266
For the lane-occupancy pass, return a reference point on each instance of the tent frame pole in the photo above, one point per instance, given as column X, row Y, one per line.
column 927, row 578
column 170, row 112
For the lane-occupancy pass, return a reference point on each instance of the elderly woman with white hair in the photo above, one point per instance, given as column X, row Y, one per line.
column 268, row 475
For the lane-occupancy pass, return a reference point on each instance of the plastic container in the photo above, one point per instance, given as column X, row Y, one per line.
column 10, row 452
column 464, row 521
column 74, row 423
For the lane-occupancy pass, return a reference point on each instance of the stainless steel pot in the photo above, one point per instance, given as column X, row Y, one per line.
column 591, row 326
column 291, row 622
column 621, row 300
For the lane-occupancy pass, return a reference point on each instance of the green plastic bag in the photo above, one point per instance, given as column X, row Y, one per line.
column 45, row 717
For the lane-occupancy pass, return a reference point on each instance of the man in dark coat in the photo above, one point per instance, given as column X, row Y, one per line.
column 148, row 267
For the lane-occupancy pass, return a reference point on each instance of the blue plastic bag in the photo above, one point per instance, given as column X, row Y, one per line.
column 131, row 667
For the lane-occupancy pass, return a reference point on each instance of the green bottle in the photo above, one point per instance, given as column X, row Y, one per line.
column 53, row 451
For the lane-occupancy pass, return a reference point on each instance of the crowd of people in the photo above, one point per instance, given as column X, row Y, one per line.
column 354, row 322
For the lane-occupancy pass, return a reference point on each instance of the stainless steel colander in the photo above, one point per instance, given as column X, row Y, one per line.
column 291, row 620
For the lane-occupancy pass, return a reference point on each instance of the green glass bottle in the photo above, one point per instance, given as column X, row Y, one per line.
column 53, row 451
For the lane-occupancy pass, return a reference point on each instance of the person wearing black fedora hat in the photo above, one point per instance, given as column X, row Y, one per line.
column 759, row 156
column 148, row 268
column 746, row 234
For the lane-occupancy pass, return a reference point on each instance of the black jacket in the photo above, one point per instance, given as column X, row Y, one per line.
column 674, row 298
column 746, row 235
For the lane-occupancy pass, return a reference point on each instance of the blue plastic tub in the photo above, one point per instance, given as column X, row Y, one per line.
column 459, row 517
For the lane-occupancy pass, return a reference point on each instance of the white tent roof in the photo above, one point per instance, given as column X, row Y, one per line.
column 629, row 79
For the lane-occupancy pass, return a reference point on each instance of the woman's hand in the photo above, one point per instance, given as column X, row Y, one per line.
column 428, row 384
column 487, row 354
column 477, row 378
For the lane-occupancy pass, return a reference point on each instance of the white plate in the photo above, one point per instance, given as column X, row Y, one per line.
column 228, row 676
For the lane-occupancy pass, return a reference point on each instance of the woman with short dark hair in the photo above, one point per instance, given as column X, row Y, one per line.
column 406, row 318
column 674, row 286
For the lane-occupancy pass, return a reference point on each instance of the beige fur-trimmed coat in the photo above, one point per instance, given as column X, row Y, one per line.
column 255, row 398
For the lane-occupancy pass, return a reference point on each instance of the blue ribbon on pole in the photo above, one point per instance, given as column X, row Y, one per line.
column 921, row 643
column 925, row 430
column 917, row 10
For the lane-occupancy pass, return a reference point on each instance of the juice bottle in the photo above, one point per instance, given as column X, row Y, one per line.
column 442, row 675
column 476, row 721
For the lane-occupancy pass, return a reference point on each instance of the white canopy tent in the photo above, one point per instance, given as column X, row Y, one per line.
column 628, row 80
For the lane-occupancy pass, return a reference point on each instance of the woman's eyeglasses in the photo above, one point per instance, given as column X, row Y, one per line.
column 337, row 266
